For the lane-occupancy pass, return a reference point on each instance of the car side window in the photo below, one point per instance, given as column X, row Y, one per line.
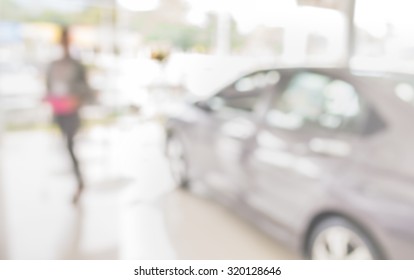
column 316, row 101
column 244, row 95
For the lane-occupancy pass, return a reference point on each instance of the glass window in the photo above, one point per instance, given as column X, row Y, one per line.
column 255, row 82
column 245, row 93
column 315, row 100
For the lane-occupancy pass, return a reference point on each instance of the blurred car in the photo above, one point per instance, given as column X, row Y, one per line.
column 321, row 159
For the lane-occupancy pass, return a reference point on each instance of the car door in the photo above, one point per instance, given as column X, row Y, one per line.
column 305, row 141
column 234, row 116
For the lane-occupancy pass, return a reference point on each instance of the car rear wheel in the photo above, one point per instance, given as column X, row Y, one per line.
column 338, row 239
column 177, row 159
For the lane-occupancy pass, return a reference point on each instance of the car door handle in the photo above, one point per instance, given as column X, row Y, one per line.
column 329, row 147
column 267, row 140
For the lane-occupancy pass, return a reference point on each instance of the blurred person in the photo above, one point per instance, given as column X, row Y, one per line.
column 67, row 91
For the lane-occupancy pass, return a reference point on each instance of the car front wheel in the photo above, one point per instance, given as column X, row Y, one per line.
column 338, row 239
column 175, row 152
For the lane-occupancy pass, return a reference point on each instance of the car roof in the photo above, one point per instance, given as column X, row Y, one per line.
column 342, row 70
column 353, row 75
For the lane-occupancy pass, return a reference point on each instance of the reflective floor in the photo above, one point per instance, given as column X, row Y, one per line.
column 130, row 209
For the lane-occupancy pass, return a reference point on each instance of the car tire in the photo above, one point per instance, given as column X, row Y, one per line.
column 338, row 238
column 177, row 159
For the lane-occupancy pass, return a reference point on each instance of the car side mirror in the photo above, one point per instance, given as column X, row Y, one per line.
column 373, row 123
column 204, row 105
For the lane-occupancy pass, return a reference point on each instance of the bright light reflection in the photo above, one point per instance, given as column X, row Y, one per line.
column 267, row 12
column 139, row 5
column 375, row 16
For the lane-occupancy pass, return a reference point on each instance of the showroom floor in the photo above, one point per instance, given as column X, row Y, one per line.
column 130, row 209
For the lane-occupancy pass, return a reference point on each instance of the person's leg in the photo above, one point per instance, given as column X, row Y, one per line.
column 75, row 162
column 69, row 125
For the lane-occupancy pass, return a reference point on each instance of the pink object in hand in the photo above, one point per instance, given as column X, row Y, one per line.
column 63, row 105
